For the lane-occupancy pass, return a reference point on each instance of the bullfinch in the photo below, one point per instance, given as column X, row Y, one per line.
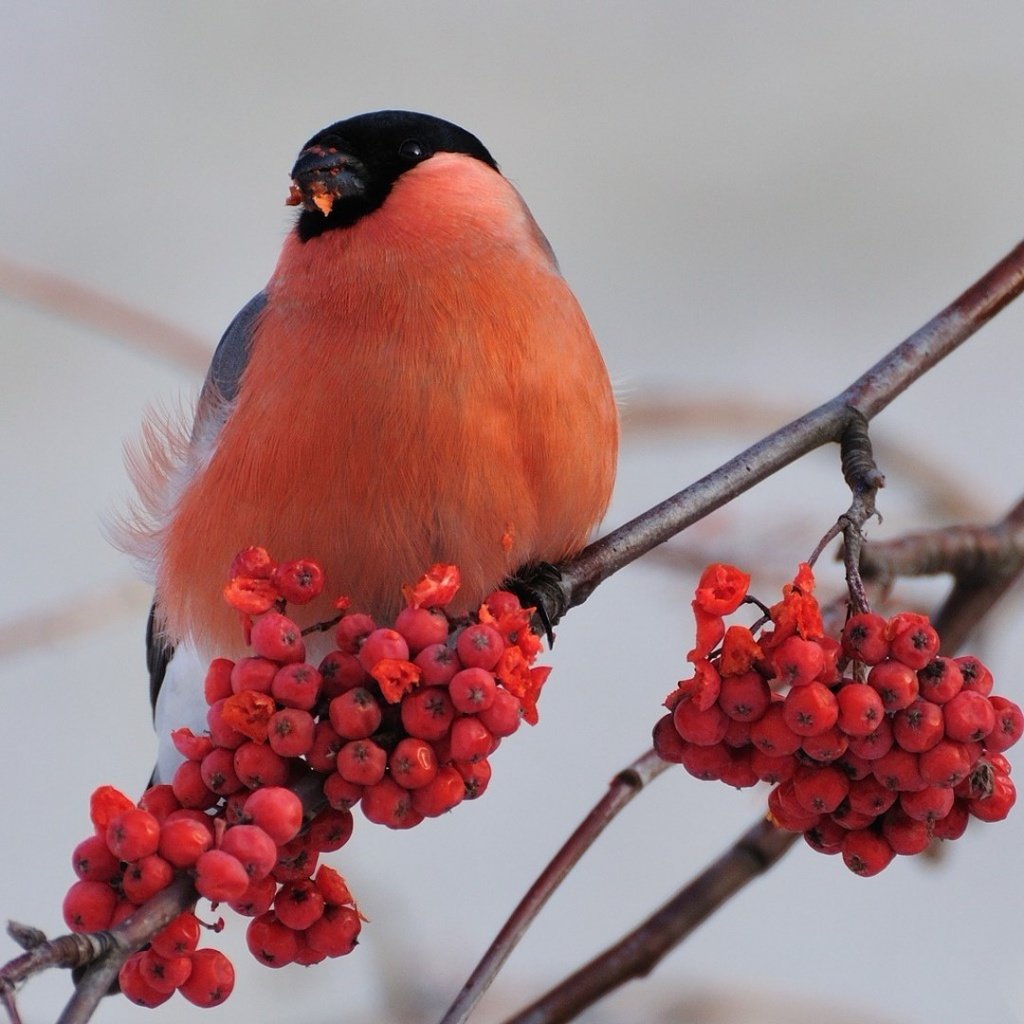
column 415, row 384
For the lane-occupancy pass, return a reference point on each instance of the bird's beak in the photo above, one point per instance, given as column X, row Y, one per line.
column 321, row 176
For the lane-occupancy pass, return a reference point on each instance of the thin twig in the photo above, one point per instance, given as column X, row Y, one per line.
column 621, row 791
column 636, row 954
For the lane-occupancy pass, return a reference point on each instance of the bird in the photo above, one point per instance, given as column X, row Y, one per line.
column 415, row 384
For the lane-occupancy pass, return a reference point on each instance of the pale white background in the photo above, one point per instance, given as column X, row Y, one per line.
column 753, row 203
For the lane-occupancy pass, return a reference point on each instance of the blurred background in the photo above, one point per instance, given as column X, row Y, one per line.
column 753, row 203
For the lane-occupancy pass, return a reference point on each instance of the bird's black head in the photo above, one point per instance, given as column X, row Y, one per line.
column 347, row 170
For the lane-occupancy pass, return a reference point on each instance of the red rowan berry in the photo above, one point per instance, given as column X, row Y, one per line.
column 306, row 955
column 875, row 744
column 160, row 801
column 827, row 746
column 298, row 904
column 178, row 938
column 190, row 746
column 271, row 942
column 217, row 771
column 954, row 824
column 220, row 877
column 772, row 769
column 133, row 834
column 297, row 685
column 969, row 716
column 896, row 684
column 906, row 835
column 472, row 690
column 860, row 709
column 388, row 803
column 476, row 776
column 122, row 911
column 107, row 803
column 296, row 859
column 865, row 853
column 772, row 735
column 975, row 675
column 898, row 770
column 352, row 631
column 745, row 697
column 217, row 684
column 257, row 899
column 797, row 661
column 165, row 974
column 706, row 762
column 810, row 709
column 135, row 986
column 340, row 793
column 340, row 672
column 929, row 804
column 479, row 646
column 940, row 680
column 912, row 639
column 88, row 906
column 470, row 739
column 380, row 644
column 223, row 734
column 362, row 762
column 427, row 713
column 323, row 755
column 183, row 840
column 277, row 811
column 738, row 772
column 299, row 582
column 212, row 978
column 189, row 787
column 668, row 744
column 253, row 847
column 846, row 817
column 412, row 763
column 290, row 732
column 918, row 727
column 855, row 766
column 504, row 715
column 787, row 812
column 737, row 735
column 438, row 663
column 277, row 637
column 945, row 764
column 257, row 764
column 355, row 714
column 704, row 728
column 441, row 794
column 869, row 796
column 330, row 830
column 864, row 638
column 256, row 674
column 825, row 837
column 254, row 562
column 833, row 651
column 990, row 808
column 422, row 627
column 93, row 862
column 820, row 789
column 1009, row 725
column 145, row 877
column 336, row 931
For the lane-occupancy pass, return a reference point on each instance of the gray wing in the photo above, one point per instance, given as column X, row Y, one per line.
column 219, row 390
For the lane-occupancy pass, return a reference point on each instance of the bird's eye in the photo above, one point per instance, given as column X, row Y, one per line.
column 411, row 150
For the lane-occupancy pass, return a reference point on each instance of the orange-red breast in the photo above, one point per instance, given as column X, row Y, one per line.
column 415, row 384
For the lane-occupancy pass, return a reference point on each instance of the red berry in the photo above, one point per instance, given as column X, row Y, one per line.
column 940, row 680
column 144, row 878
column 504, row 715
column 918, row 727
column 220, row 877
column 254, row 562
column 975, row 675
column 772, row 769
column 165, row 974
column 290, row 732
column 846, row 817
column 896, row 684
column 480, row 646
column 189, row 787
column 178, row 938
column 927, row 805
column 898, row 770
column 797, row 661
column 341, row 672
column 380, row 644
column 820, row 790
column 745, row 697
column 222, row 734
column 191, row 746
column 253, row 847
column 217, row 771
column 257, row 764
column 296, row 859
column 323, row 755
column 427, row 713
column 704, row 728
column 256, row 674
column 912, row 639
column 183, row 840
column 827, row 746
column 297, row 685
column 738, row 772
column 388, row 803
column 422, row 627
column 668, row 744
column 438, row 663
column 336, row 931
column 257, row 899
column 810, row 709
column 277, row 811
column 954, row 824
column 472, row 690
column 93, row 861
column 136, row 987
column 945, row 764
column 88, row 906
column 860, row 709
column 299, row 582
column 441, row 794
column 869, row 796
column 271, row 942
column 160, row 801
column 212, row 978
column 470, row 739
column 991, row 808
column 133, row 834
column 865, row 853
column 340, row 793
column 362, row 762
column 906, row 835
column 277, row 637
column 969, row 716
column 476, row 776
column 772, row 735
column 332, row 887
column 875, row 744
column 330, row 830
column 413, row 763
column 708, row 763
column 787, row 812
column 1009, row 725
column 352, row 631
column 356, row 714
column 864, row 638
column 826, row 837
column 298, row 904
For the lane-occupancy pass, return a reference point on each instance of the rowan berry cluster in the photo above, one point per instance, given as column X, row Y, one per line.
column 874, row 743
column 400, row 721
